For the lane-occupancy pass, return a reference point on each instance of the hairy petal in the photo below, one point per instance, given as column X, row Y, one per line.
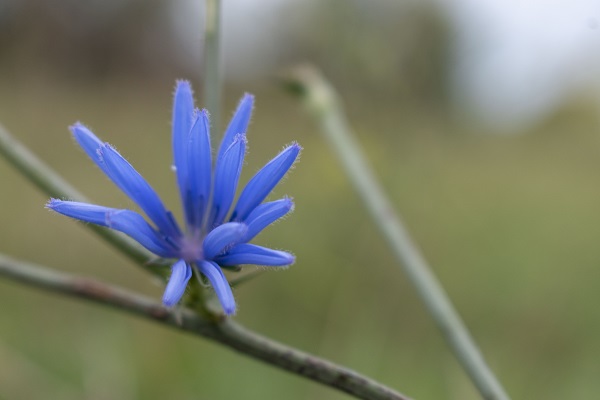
column 220, row 285
column 264, row 181
column 227, row 174
column 183, row 109
column 199, row 170
column 88, row 142
column 223, row 237
column 264, row 215
column 181, row 273
column 138, row 190
column 82, row 211
column 256, row 255
column 134, row 225
column 238, row 124
column 126, row 221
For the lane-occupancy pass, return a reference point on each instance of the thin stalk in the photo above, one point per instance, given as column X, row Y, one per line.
column 220, row 329
column 212, row 60
column 324, row 104
column 51, row 183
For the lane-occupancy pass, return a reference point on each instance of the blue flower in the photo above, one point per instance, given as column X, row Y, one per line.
column 213, row 236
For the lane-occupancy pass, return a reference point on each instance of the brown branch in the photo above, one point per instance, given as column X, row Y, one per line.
column 221, row 329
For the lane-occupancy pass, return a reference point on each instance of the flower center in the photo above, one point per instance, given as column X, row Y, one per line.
column 190, row 248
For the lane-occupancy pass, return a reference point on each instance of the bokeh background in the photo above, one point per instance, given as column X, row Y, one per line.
column 480, row 117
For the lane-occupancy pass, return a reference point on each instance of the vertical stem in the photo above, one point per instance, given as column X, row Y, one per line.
column 324, row 104
column 212, row 60
column 212, row 100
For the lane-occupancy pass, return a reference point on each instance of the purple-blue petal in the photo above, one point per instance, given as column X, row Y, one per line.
column 222, row 237
column 126, row 221
column 199, row 170
column 134, row 225
column 256, row 255
column 227, row 174
column 135, row 186
column 82, row 211
column 264, row 181
column 181, row 273
column 219, row 283
column 238, row 124
column 183, row 111
column 264, row 215
column 88, row 142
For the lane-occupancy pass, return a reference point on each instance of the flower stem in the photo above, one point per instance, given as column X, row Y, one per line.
column 221, row 330
column 325, row 106
column 212, row 60
column 51, row 183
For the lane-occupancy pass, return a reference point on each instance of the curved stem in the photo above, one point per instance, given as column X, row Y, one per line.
column 323, row 103
column 51, row 183
column 222, row 329
column 212, row 61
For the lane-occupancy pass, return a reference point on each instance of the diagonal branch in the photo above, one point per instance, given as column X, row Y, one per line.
column 325, row 106
column 219, row 329
column 51, row 183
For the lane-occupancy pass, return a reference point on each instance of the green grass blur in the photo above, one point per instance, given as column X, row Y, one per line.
column 510, row 223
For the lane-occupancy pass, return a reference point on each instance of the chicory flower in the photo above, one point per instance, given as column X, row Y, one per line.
column 215, row 235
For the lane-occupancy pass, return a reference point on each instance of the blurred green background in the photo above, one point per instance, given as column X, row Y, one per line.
column 510, row 222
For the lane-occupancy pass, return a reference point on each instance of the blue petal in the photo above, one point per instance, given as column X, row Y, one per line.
column 238, row 124
column 138, row 190
column 181, row 273
column 264, row 181
column 252, row 254
column 264, row 215
column 88, row 142
column 81, row 211
column 222, row 237
column 126, row 221
column 219, row 284
column 227, row 174
column 133, row 224
column 199, row 170
column 183, row 110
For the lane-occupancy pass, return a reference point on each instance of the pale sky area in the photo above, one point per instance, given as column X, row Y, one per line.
column 514, row 60
column 517, row 60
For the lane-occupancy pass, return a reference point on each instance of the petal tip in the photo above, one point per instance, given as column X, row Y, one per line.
column 230, row 309
column 180, row 275
column 289, row 203
column 183, row 84
column 168, row 301
column 200, row 114
column 240, row 137
column 248, row 97
column 76, row 125
column 52, row 204
column 79, row 131
column 296, row 146
column 288, row 258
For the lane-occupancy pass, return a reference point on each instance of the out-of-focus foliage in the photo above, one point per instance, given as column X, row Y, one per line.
column 510, row 223
column 397, row 49
column 392, row 49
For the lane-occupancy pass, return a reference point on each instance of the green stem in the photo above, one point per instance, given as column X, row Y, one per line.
column 323, row 103
column 212, row 61
column 51, row 183
column 220, row 329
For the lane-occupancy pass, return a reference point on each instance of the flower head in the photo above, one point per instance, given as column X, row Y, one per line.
column 213, row 236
